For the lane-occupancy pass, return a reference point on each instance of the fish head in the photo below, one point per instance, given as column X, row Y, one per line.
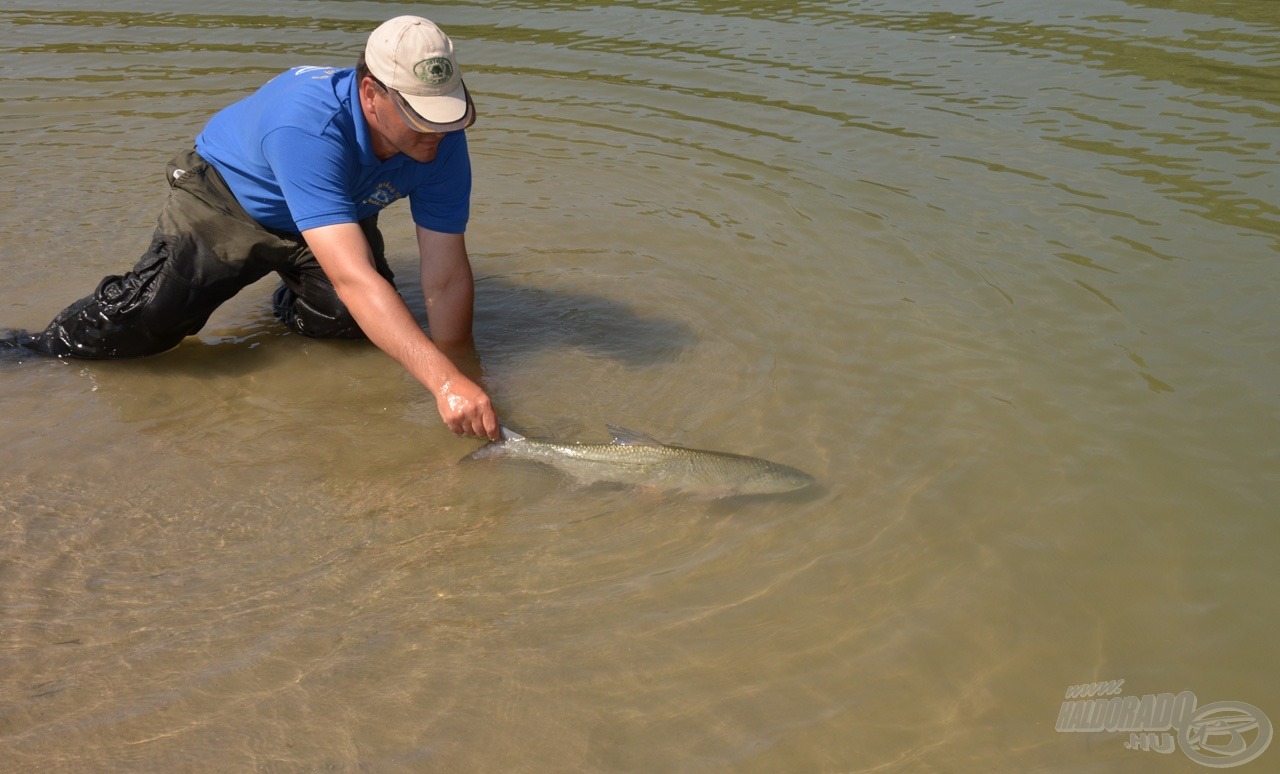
column 773, row 478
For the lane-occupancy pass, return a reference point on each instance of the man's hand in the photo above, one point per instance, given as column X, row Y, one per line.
column 465, row 408
column 345, row 256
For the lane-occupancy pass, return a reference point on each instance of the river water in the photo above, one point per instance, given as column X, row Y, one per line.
column 1001, row 275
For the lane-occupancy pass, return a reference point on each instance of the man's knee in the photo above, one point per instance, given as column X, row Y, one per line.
column 308, row 303
column 318, row 316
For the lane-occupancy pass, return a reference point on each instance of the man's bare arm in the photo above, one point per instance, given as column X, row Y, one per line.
column 344, row 254
column 447, row 286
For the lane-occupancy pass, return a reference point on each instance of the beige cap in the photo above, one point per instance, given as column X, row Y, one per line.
column 414, row 58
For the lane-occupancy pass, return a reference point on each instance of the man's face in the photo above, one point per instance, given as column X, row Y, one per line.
column 391, row 134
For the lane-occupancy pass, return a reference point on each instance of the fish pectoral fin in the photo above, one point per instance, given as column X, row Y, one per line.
column 624, row 437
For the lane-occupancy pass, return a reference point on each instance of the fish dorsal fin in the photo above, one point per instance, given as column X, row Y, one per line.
column 624, row 437
column 508, row 434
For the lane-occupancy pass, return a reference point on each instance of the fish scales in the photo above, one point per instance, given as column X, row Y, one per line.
column 635, row 458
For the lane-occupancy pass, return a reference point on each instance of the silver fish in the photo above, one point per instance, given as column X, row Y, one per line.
column 635, row 458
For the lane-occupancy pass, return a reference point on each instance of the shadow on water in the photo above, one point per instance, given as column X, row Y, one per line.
column 516, row 318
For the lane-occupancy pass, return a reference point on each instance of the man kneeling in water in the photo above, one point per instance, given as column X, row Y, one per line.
column 291, row 180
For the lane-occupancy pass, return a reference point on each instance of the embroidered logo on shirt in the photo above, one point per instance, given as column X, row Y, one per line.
column 383, row 195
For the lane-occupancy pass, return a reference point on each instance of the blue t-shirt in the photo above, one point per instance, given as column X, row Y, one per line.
column 297, row 154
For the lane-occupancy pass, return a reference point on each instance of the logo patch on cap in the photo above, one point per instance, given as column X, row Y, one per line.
column 434, row 71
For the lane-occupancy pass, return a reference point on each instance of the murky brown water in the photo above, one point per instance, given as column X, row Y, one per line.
column 1002, row 276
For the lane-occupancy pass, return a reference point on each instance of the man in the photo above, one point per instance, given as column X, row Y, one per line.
column 292, row 179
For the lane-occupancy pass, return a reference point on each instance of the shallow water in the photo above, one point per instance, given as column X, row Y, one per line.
column 1002, row 276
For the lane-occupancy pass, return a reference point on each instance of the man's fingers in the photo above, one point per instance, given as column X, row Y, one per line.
column 468, row 412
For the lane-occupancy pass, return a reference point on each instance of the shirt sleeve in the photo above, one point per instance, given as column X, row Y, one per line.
column 311, row 171
column 442, row 201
